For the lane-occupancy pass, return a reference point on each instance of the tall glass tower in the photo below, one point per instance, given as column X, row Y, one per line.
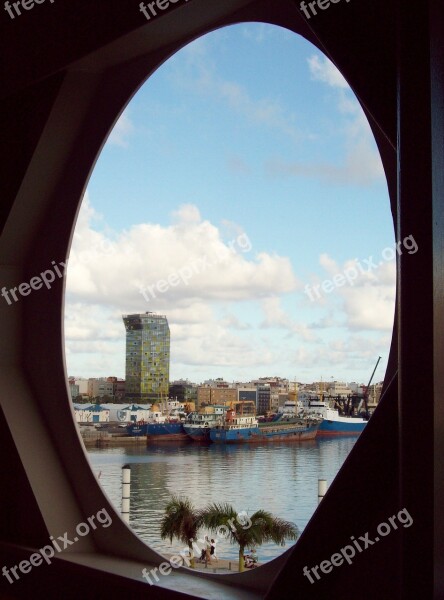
column 147, row 356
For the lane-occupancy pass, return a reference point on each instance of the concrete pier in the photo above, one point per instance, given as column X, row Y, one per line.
column 217, row 566
column 96, row 438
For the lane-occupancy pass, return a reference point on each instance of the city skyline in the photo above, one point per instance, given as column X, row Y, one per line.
column 252, row 381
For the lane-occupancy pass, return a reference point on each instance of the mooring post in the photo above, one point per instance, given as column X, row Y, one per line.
column 322, row 488
column 126, row 492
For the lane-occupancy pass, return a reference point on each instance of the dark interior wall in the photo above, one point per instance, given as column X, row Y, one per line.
column 62, row 91
column 436, row 19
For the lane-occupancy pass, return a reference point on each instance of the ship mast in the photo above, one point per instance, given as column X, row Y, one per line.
column 368, row 386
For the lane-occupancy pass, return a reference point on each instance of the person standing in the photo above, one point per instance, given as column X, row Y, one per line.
column 207, row 550
column 213, row 550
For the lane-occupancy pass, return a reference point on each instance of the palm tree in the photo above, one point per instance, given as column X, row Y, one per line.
column 262, row 527
column 182, row 521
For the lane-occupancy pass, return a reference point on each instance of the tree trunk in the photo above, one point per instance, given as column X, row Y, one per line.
column 241, row 559
column 192, row 563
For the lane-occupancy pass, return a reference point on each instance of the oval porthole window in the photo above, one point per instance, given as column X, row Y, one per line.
column 230, row 290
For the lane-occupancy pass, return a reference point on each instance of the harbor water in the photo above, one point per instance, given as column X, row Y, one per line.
column 280, row 478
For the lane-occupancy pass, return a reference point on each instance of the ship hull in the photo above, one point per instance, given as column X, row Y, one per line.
column 136, row 430
column 198, row 434
column 255, row 435
column 345, row 427
column 159, row 432
column 165, row 432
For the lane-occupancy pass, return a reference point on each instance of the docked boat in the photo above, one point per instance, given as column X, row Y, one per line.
column 136, row 429
column 160, row 426
column 166, row 432
column 246, row 429
column 199, row 424
column 334, row 423
column 158, row 431
column 341, row 415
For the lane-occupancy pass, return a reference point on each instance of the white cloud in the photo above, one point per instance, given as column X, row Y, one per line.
column 356, row 354
column 258, row 32
column 369, row 308
column 322, row 69
column 361, row 164
column 121, row 131
column 365, row 302
column 187, row 214
column 275, row 317
column 110, row 270
column 233, row 322
column 87, row 322
column 360, row 167
column 208, row 338
column 328, row 264
column 106, row 270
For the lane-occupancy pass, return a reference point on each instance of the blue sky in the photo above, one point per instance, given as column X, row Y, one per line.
column 248, row 131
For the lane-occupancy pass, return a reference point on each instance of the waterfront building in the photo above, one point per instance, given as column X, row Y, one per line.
column 247, row 393
column 218, row 382
column 215, row 395
column 184, row 392
column 119, row 389
column 263, row 399
column 278, row 385
column 83, row 385
column 171, row 407
column 124, row 413
column 374, row 394
column 91, row 414
column 282, row 399
column 128, row 414
column 99, row 388
column 73, row 390
column 338, row 388
column 147, row 356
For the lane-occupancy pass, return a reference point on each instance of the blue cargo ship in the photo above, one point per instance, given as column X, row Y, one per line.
column 136, row 429
column 165, row 432
column 246, row 429
column 199, row 425
column 158, row 432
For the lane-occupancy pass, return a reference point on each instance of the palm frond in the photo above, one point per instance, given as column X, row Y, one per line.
column 181, row 520
column 268, row 528
column 221, row 515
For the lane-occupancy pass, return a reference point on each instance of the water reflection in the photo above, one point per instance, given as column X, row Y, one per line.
column 281, row 478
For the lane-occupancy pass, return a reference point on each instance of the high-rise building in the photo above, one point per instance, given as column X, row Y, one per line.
column 183, row 391
column 263, row 399
column 247, row 393
column 147, row 356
